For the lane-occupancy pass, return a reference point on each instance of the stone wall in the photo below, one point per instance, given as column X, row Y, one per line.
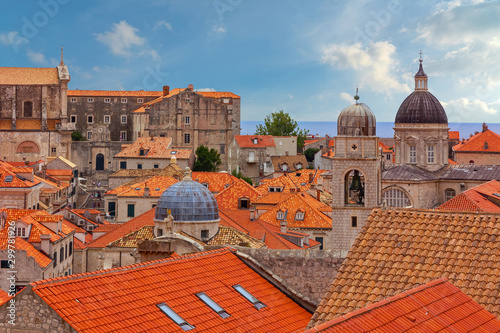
column 477, row 158
column 84, row 152
column 31, row 315
column 308, row 272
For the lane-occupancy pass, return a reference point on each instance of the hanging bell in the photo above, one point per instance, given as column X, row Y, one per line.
column 356, row 182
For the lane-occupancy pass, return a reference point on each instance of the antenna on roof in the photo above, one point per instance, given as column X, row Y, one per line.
column 62, row 61
column 421, row 58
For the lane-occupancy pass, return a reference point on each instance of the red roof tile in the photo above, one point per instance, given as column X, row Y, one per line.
column 114, row 93
column 21, row 245
column 157, row 185
column 487, row 142
column 454, row 135
column 4, row 297
column 435, row 306
column 126, row 298
column 217, row 94
column 246, row 141
column 228, row 198
column 28, row 76
column 159, row 147
column 480, row 198
column 7, row 172
column 452, row 162
column 217, row 181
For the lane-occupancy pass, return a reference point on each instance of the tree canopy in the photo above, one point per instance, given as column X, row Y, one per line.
column 207, row 160
column 309, row 153
column 281, row 124
column 77, row 136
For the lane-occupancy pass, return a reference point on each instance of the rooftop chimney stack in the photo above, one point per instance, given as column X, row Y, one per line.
column 146, row 192
column 252, row 213
column 166, row 90
column 283, row 225
column 45, row 243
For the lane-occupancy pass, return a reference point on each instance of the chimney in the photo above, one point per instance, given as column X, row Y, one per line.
column 45, row 243
column 44, row 172
column 311, row 177
column 318, row 195
column 146, row 192
column 252, row 213
column 190, row 87
column 166, row 90
column 283, row 224
column 3, row 219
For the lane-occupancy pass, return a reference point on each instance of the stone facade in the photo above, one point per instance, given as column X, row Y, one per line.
column 477, row 158
column 31, row 315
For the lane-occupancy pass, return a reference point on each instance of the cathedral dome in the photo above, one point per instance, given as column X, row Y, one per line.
column 356, row 120
column 188, row 201
column 421, row 107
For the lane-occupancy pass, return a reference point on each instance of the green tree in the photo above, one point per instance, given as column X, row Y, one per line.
column 240, row 176
column 77, row 136
column 309, row 153
column 281, row 124
column 207, row 160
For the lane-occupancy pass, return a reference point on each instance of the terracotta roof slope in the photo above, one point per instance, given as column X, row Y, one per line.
column 293, row 163
column 487, row 142
column 127, row 299
column 115, row 93
column 22, row 245
column 247, row 141
column 28, row 76
column 480, row 198
column 432, row 307
column 229, row 197
column 401, row 249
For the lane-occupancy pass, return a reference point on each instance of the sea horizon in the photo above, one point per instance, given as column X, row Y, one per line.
column 384, row 129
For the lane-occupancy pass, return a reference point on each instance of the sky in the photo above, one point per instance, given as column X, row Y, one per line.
column 306, row 58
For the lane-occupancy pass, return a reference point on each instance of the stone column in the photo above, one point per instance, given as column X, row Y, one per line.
column 44, row 108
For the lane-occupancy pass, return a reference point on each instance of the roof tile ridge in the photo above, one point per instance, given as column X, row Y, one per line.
column 69, row 278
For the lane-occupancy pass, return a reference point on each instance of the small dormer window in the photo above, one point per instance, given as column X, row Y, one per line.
column 280, row 215
column 21, row 232
column 244, row 203
column 284, row 167
column 486, row 145
column 205, row 184
column 298, row 166
column 255, row 141
column 299, row 215
column 142, row 152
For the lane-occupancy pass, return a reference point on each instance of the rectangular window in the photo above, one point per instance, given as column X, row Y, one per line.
column 124, row 100
column 320, row 240
column 61, row 254
column 21, row 232
column 124, row 119
column 70, row 249
column 430, row 154
column 204, row 234
column 107, row 100
column 55, row 259
column 73, row 119
column 213, row 305
column 140, row 100
column 123, row 136
column 225, row 100
column 187, row 120
column 89, row 135
column 90, row 119
column 139, row 166
column 388, row 157
column 73, row 100
column 251, row 156
column 130, row 210
column 111, row 208
column 156, row 166
column 53, row 150
column 175, row 317
column 123, row 165
column 243, row 292
column 90, row 100
column 107, row 119
column 5, row 264
column 187, row 138
column 413, row 154
column 65, row 251
column 354, row 221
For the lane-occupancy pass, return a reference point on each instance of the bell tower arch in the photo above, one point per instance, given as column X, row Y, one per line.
column 356, row 170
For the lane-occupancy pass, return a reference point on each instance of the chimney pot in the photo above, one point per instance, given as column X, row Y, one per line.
column 166, row 90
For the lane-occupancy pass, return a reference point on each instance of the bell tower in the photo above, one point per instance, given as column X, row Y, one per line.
column 356, row 169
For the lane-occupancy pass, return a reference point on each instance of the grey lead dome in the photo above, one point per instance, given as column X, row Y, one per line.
column 356, row 120
column 421, row 107
column 189, row 201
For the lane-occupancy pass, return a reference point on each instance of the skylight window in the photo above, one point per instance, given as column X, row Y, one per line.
column 8, row 179
column 214, row 306
column 173, row 152
column 256, row 303
column 175, row 317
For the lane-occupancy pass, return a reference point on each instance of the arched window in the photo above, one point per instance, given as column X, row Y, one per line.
column 280, row 215
column 471, row 162
column 354, row 188
column 395, row 197
column 28, row 147
column 449, row 193
column 299, row 215
column 99, row 162
column 28, row 109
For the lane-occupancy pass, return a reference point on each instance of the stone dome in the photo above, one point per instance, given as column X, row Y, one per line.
column 421, row 107
column 189, row 201
column 356, row 120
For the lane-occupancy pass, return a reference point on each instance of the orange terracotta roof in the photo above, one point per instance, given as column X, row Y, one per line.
column 313, row 218
column 126, row 298
column 71, row 226
column 23, row 164
column 6, row 173
column 271, row 235
column 4, row 297
column 124, row 229
column 307, row 142
column 90, row 210
column 41, row 259
column 246, row 141
column 487, row 142
column 272, row 198
column 401, row 249
column 28, row 124
column 294, row 180
column 329, row 153
column 105, row 228
column 217, row 94
column 435, row 306
column 36, row 220
column 157, row 185
column 454, row 135
column 452, row 162
column 385, row 148
column 293, row 163
column 228, row 198
column 28, row 76
column 114, row 93
column 331, row 143
column 157, row 148
column 480, row 198
column 14, row 214
column 217, row 181
column 5, row 124
column 59, row 172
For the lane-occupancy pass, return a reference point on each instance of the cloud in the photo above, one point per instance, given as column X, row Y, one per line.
column 205, row 89
column 218, row 29
column 375, row 65
column 347, row 97
column 466, row 110
column 289, row 95
column 121, row 39
column 12, row 38
column 36, row 57
column 163, row 24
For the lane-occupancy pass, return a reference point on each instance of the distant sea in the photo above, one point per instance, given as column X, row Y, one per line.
column 384, row 129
